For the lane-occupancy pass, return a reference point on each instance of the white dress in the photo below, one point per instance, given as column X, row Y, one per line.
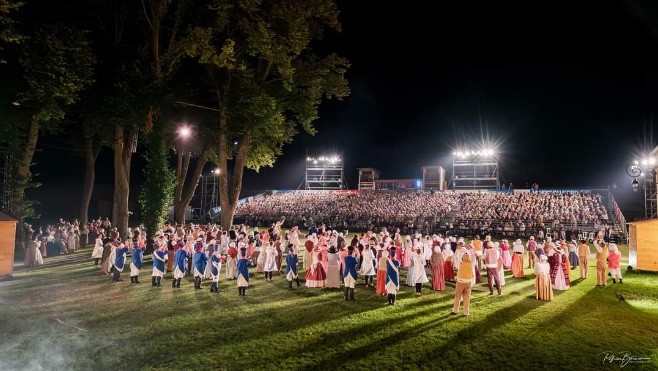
column 98, row 249
column 368, row 265
column 418, row 274
column 269, row 260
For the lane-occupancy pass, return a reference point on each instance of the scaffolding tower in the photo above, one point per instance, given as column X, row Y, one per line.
column 208, row 196
column 6, row 171
column 475, row 170
column 324, row 173
column 650, row 199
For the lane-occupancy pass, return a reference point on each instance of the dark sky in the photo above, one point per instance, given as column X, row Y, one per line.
column 568, row 90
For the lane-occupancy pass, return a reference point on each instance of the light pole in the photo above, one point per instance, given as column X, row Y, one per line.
column 645, row 169
column 184, row 133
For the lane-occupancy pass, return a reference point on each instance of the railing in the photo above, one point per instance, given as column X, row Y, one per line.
column 616, row 211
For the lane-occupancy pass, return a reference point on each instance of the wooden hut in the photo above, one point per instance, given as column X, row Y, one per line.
column 7, row 244
column 643, row 245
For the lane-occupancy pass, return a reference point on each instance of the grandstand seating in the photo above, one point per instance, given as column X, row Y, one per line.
column 561, row 214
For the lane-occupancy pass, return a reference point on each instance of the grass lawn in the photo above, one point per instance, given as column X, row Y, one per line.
column 67, row 316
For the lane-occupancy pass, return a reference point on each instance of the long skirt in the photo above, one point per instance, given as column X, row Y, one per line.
column 381, row 282
column 51, row 248
column 333, row 277
column 448, row 270
column 517, row 265
column 410, row 275
column 560, row 281
column 438, row 279
column 315, row 276
column 507, row 260
column 231, row 268
column 543, row 288
column 573, row 259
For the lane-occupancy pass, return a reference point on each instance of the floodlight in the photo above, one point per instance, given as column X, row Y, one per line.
column 644, row 161
column 185, row 131
column 315, row 161
column 636, row 162
column 216, row 171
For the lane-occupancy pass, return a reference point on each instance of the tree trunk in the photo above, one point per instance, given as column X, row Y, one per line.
column 182, row 165
column 226, row 219
column 22, row 180
column 228, row 212
column 122, row 159
column 187, row 188
column 91, row 154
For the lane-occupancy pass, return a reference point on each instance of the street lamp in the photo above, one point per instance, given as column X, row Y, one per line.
column 634, row 170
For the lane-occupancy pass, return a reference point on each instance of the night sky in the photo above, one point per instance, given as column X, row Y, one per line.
column 568, row 91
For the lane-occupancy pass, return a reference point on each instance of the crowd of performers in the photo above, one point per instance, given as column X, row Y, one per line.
column 330, row 259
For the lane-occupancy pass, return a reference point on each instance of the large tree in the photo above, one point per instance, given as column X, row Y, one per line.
column 57, row 63
column 266, row 79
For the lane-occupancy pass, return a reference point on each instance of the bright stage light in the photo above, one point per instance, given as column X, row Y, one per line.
column 315, row 161
column 644, row 162
column 652, row 161
column 185, row 131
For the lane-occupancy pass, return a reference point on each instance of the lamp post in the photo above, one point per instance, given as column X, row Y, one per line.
column 646, row 170
column 634, row 171
column 184, row 133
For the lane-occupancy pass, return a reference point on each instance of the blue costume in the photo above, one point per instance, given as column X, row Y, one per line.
column 160, row 256
column 200, row 262
column 349, row 274
column 180, row 264
column 136, row 262
column 292, row 261
column 243, row 272
column 119, row 261
column 392, row 277
column 215, row 268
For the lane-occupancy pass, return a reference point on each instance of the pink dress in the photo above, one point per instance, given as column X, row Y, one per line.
column 507, row 258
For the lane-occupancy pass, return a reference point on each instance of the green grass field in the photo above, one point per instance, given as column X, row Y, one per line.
column 67, row 316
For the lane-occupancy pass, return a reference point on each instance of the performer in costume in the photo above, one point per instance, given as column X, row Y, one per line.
column 200, row 262
column 333, row 269
column 517, row 259
column 315, row 276
column 180, row 265
column 119, row 262
column 368, row 266
column 531, row 246
column 136, row 260
column 392, row 277
column 465, row 278
column 268, row 256
column 491, row 257
column 419, row 276
column 543, row 287
column 614, row 263
column 507, row 258
column 243, row 272
column 437, row 263
column 349, row 274
column 160, row 257
column 291, row 265
column 573, row 256
column 448, row 267
column 583, row 254
column 215, row 270
column 232, row 261
column 559, row 272
column 97, row 253
column 601, row 258
column 381, row 274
